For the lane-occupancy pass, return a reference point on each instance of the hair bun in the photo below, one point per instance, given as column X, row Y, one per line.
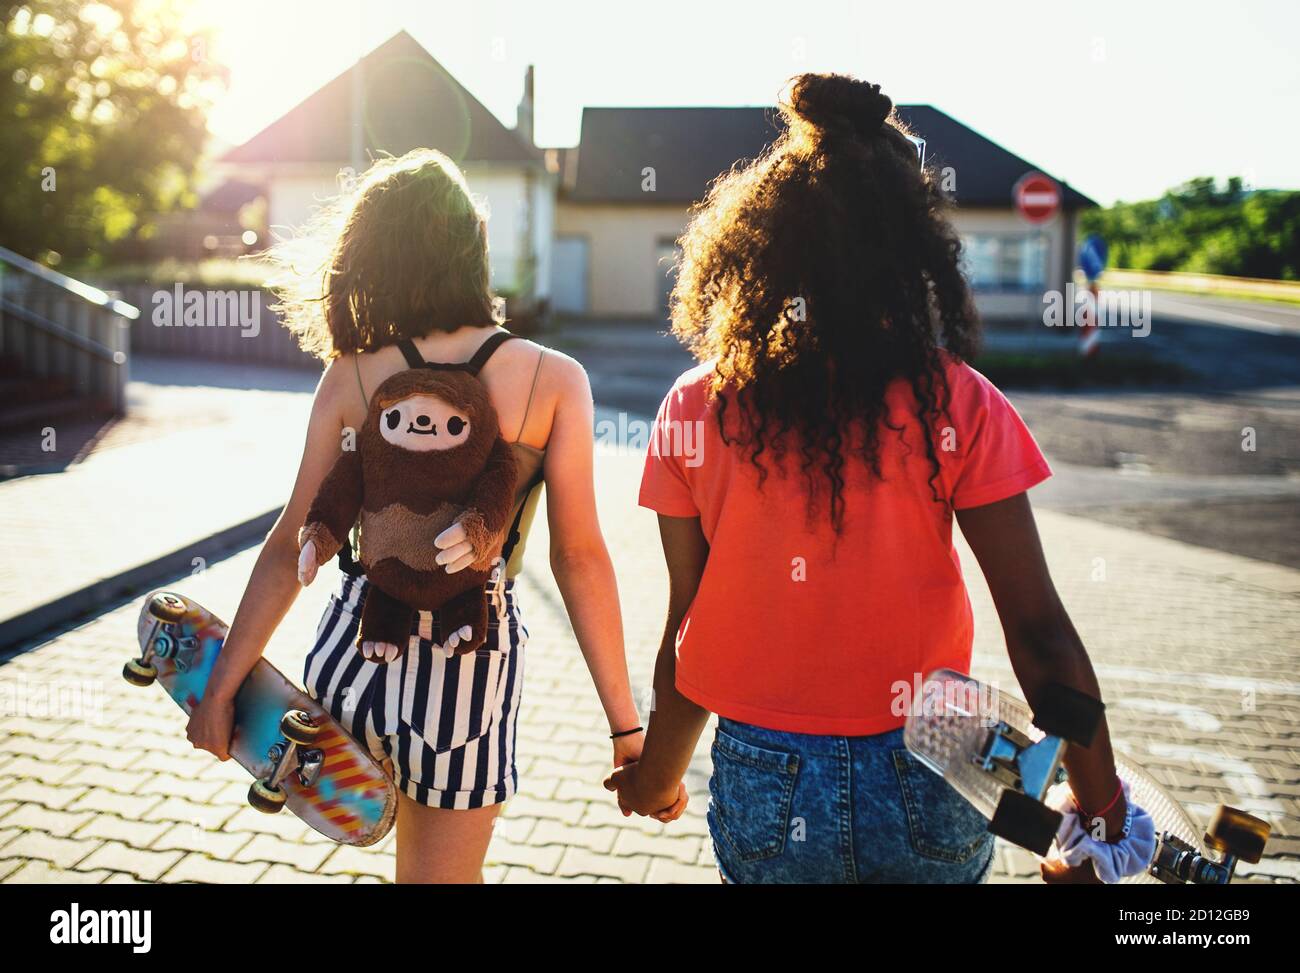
column 838, row 102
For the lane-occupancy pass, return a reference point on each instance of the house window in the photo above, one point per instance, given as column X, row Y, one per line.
column 667, row 255
column 1005, row 262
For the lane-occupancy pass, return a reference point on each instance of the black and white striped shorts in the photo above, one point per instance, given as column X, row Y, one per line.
column 446, row 722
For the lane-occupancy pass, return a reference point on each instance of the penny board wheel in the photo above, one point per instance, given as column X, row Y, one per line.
column 267, row 799
column 1069, row 714
column 139, row 673
column 167, row 607
column 297, row 727
column 1234, row 832
column 1023, row 821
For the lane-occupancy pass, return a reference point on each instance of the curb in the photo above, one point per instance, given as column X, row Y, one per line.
column 126, row 584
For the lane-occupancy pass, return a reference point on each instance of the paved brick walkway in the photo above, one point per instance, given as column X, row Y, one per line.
column 1197, row 652
column 191, row 459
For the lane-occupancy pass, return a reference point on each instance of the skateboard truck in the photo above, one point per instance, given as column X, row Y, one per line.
column 1234, row 834
column 1015, row 761
column 166, row 609
column 1028, row 769
column 293, row 753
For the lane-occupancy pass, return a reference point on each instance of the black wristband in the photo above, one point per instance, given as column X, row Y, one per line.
column 625, row 733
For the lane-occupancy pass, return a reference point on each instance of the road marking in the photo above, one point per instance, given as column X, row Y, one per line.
column 1238, row 774
column 1219, row 315
column 1192, row 680
column 1192, row 717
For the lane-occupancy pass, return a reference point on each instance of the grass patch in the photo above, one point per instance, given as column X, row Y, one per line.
column 1067, row 370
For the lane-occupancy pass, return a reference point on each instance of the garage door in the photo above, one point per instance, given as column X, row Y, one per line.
column 666, row 257
column 569, row 275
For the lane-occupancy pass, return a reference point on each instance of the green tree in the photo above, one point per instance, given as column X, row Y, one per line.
column 102, row 122
column 1200, row 227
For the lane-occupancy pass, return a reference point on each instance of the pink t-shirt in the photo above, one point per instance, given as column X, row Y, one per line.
column 795, row 629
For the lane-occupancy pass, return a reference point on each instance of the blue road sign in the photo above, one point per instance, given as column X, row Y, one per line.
column 1092, row 256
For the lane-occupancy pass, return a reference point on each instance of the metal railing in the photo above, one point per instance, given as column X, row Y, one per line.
column 56, row 328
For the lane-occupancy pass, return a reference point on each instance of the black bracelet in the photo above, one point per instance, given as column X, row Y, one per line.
column 625, row 733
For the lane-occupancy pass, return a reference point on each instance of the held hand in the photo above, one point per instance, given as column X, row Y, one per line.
column 627, row 749
column 455, row 550
column 307, row 564
column 635, row 797
column 211, row 726
column 1109, row 850
column 675, row 810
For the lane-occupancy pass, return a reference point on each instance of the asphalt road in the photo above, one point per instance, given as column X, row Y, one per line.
column 1262, row 316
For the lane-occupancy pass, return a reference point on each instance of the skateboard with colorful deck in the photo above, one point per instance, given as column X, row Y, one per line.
column 298, row 754
column 1003, row 758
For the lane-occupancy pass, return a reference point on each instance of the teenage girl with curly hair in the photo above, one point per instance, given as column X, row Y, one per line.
column 809, row 540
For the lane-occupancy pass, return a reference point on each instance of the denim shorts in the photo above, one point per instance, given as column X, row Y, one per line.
column 807, row 808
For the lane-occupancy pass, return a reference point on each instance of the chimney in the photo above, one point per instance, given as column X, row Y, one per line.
column 524, row 119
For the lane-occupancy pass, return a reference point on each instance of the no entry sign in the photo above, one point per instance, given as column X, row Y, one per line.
column 1037, row 197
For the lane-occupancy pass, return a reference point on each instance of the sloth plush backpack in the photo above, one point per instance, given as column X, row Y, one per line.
column 429, row 455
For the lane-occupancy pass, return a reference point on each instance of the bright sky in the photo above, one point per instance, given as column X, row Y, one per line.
column 1121, row 99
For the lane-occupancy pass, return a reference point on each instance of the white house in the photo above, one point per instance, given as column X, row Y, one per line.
column 395, row 99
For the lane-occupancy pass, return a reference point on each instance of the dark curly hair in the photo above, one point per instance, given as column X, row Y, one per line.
column 816, row 276
column 400, row 253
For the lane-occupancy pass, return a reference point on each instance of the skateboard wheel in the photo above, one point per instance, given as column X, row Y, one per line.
column 297, row 727
column 267, row 799
column 1023, row 821
column 1068, row 714
column 167, row 607
column 1234, row 832
column 139, row 673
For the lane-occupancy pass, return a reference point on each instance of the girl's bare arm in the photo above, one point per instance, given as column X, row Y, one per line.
column 652, row 785
column 273, row 586
column 1041, row 640
column 579, row 559
column 676, row 724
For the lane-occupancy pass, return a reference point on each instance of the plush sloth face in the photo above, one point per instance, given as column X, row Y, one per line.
column 422, row 423
column 428, row 434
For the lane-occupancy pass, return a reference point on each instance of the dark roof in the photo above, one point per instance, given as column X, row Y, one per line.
column 985, row 172
column 410, row 102
column 689, row 147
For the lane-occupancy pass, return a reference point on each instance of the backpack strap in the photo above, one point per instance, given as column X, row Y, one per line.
column 411, row 353
column 473, row 366
column 486, row 350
